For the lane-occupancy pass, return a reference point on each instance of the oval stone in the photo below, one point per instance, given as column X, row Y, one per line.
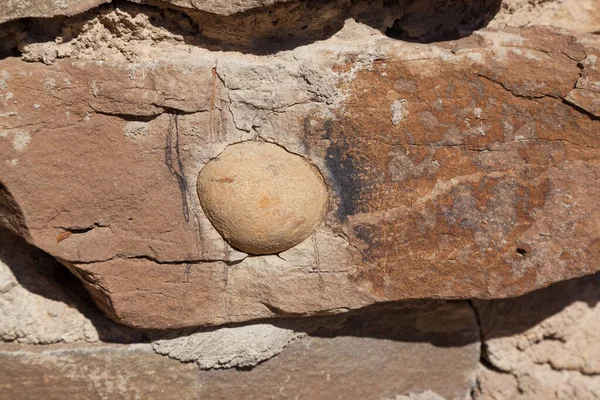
column 261, row 198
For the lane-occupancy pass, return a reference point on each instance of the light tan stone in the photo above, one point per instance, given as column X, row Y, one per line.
column 543, row 345
column 577, row 15
column 261, row 198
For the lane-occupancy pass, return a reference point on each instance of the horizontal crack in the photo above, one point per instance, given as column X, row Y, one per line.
column 154, row 260
column 582, row 110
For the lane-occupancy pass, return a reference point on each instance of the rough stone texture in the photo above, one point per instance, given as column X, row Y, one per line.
column 578, row 15
column 428, row 395
column 243, row 346
column 93, row 372
column 376, row 344
column 388, row 349
column 15, row 9
column 543, row 345
column 220, row 7
column 42, row 303
column 102, row 32
column 586, row 94
column 261, row 198
column 457, row 170
column 466, row 168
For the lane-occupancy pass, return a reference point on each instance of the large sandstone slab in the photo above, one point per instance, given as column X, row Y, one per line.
column 377, row 355
column 100, row 371
column 51, row 323
column 459, row 170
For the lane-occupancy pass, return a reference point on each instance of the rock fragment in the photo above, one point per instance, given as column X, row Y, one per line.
column 485, row 188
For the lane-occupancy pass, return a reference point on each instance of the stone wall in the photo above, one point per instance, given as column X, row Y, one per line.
column 457, row 256
column 57, row 344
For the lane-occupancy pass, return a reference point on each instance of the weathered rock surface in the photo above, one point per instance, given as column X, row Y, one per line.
column 389, row 350
column 220, row 7
column 42, row 303
column 586, row 94
column 577, row 15
column 377, row 344
column 260, row 24
column 243, row 346
column 544, row 345
column 458, row 170
column 386, row 348
column 15, row 9
column 261, row 198
column 30, row 318
column 47, row 305
column 101, row 371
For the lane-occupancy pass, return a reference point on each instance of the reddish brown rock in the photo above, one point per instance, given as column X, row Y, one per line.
column 93, row 372
column 586, row 94
column 457, row 170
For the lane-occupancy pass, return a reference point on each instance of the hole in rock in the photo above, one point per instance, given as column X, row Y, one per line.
column 521, row 252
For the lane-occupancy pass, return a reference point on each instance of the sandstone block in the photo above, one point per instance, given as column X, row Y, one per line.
column 461, row 169
column 377, row 355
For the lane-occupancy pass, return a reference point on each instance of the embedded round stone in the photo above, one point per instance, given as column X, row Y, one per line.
column 261, row 198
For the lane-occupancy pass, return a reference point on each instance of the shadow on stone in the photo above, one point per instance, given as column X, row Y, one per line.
column 41, row 275
column 268, row 30
column 508, row 317
column 442, row 324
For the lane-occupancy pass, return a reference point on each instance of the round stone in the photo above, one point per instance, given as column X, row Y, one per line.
column 261, row 198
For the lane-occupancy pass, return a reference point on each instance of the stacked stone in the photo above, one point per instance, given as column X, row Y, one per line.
column 362, row 184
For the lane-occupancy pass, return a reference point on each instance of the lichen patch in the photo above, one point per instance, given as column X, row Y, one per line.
column 20, row 140
column 136, row 130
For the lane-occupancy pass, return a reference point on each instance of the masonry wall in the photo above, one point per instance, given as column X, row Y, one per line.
column 533, row 338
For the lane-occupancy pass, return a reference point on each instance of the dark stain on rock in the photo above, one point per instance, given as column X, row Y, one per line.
column 328, row 128
column 369, row 235
column 364, row 233
column 11, row 215
column 342, row 175
column 346, row 180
